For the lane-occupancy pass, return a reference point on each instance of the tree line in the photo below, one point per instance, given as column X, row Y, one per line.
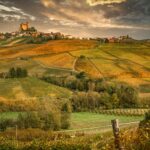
column 15, row 73
column 90, row 94
column 48, row 117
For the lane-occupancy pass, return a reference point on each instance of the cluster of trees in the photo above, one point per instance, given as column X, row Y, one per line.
column 37, row 40
column 15, row 73
column 123, row 97
column 95, row 94
column 74, row 82
column 92, row 101
column 48, row 117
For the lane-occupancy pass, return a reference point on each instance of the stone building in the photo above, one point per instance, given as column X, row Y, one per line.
column 24, row 26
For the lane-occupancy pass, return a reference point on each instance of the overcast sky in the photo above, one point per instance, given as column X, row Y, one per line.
column 90, row 18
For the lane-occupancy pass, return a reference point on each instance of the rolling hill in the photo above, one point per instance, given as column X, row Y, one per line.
column 27, row 88
column 51, row 47
column 27, row 94
column 122, row 62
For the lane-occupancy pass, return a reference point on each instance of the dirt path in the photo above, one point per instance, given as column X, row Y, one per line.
column 57, row 68
column 74, row 64
column 13, row 42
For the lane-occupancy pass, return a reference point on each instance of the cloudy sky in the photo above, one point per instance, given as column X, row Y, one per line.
column 90, row 18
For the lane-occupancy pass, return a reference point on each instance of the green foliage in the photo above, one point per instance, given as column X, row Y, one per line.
column 32, row 29
column 82, row 101
column 108, row 94
column 145, row 124
column 44, row 120
column 64, row 146
column 128, row 96
column 147, row 115
column 49, row 122
column 12, row 72
column 81, row 75
column 44, row 145
column 17, row 73
column 66, row 115
column 82, row 56
column 5, row 123
column 49, row 116
column 28, row 120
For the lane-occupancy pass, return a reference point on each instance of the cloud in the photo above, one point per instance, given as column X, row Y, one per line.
column 78, row 14
column 103, row 2
column 69, row 16
column 12, row 13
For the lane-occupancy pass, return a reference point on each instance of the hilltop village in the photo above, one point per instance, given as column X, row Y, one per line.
column 31, row 33
column 34, row 36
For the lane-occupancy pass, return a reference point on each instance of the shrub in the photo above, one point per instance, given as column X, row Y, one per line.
column 17, row 72
column 28, row 120
column 145, row 124
column 128, row 96
column 65, row 115
column 81, row 75
column 5, row 123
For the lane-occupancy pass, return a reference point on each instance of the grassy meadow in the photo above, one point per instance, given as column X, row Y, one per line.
column 91, row 120
column 83, row 120
column 30, row 88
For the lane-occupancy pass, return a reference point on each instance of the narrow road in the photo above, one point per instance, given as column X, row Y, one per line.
column 100, row 129
column 74, row 64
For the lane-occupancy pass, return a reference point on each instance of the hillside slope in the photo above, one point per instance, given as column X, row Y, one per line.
column 51, row 47
column 27, row 88
column 122, row 62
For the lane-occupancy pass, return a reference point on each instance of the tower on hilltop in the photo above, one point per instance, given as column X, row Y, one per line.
column 24, row 26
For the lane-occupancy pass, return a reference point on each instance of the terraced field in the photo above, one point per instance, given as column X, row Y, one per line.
column 120, row 62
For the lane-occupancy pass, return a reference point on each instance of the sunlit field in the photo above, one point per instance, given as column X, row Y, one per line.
column 51, row 47
column 119, row 62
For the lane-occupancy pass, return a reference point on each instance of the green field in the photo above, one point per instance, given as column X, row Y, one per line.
column 9, row 115
column 89, row 120
column 85, row 119
column 30, row 88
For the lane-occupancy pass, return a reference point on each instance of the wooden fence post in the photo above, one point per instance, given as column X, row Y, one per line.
column 115, row 126
column 17, row 135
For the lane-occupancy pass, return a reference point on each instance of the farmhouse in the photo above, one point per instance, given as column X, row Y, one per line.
column 113, row 40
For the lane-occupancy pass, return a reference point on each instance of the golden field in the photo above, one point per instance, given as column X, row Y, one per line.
column 120, row 62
